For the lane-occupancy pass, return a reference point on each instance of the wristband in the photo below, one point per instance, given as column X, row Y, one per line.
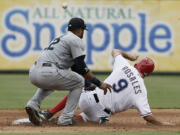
column 96, row 81
column 87, row 83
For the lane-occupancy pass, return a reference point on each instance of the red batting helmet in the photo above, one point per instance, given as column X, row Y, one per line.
column 145, row 66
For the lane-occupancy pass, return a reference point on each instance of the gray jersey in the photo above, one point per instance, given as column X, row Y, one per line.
column 63, row 50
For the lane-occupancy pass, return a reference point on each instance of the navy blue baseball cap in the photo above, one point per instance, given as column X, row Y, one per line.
column 76, row 23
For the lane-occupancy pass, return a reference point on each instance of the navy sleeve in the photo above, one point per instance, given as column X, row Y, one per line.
column 80, row 66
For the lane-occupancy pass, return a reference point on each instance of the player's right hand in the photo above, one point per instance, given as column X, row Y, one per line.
column 105, row 87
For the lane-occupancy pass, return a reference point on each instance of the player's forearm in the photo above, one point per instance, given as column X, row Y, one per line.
column 104, row 86
column 130, row 57
column 90, row 77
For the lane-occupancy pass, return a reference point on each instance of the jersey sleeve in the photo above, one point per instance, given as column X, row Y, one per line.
column 77, row 48
column 120, row 61
column 141, row 103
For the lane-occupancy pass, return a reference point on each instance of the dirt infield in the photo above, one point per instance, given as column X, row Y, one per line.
column 128, row 121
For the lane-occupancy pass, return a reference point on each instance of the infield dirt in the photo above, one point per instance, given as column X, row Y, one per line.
column 128, row 121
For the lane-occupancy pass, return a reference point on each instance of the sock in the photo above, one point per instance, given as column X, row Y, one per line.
column 59, row 106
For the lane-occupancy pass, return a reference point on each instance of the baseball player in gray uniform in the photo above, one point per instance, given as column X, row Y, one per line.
column 51, row 72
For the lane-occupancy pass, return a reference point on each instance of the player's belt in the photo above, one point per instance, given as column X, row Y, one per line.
column 44, row 64
column 108, row 111
column 96, row 97
column 48, row 64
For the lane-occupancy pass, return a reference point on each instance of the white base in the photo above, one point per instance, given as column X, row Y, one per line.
column 23, row 121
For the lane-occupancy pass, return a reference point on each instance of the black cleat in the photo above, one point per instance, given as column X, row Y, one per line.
column 45, row 115
column 33, row 116
column 54, row 120
column 103, row 120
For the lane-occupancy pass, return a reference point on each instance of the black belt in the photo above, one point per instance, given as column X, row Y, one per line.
column 108, row 111
column 47, row 65
column 44, row 64
column 96, row 97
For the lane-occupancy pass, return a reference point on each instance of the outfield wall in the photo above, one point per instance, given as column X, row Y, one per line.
column 147, row 27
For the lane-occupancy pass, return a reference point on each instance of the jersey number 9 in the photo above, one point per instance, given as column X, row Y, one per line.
column 122, row 84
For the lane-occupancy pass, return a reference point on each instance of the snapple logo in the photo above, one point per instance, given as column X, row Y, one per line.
column 141, row 38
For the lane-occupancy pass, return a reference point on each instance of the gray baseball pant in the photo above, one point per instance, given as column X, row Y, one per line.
column 50, row 78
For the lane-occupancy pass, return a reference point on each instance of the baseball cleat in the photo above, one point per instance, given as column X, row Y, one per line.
column 66, row 123
column 33, row 116
column 54, row 120
column 45, row 115
column 103, row 120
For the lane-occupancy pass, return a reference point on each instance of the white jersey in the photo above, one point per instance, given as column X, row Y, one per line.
column 63, row 50
column 128, row 91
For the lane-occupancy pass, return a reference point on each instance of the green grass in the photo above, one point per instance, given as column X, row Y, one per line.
column 101, row 133
column 163, row 91
column 16, row 90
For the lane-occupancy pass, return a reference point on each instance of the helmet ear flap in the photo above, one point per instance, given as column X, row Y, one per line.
column 136, row 65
